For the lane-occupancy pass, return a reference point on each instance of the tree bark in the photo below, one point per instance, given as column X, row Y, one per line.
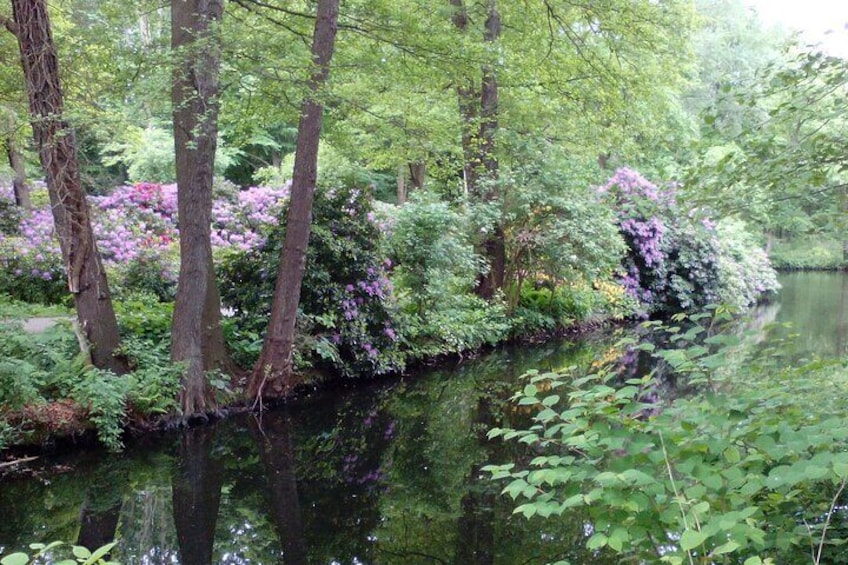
column 19, row 181
column 418, row 173
column 197, row 339
column 402, row 193
column 56, row 145
column 273, row 376
column 479, row 131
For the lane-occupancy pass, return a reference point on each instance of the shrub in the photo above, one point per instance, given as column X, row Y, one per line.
column 754, row 468
column 347, row 304
column 32, row 268
column 555, row 229
column 680, row 261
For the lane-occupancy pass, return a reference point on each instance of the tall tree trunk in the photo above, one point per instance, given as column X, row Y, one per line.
column 479, row 131
column 418, row 173
column 197, row 339
column 494, row 244
column 19, row 182
column 273, row 376
column 57, row 151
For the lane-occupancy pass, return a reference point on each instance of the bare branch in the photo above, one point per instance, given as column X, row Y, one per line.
column 9, row 24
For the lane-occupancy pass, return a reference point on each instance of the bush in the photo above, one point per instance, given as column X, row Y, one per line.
column 807, row 253
column 751, row 469
column 680, row 261
column 32, row 268
column 347, row 305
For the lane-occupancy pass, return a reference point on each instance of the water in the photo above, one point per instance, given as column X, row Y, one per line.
column 388, row 473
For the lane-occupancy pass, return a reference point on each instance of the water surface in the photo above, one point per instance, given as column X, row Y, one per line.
column 386, row 473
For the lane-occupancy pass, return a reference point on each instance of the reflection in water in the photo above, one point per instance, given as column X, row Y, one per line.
column 388, row 473
column 197, row 481
column 809, row 316
column 273, row 436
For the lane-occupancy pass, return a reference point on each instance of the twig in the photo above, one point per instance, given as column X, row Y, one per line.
column 18, row 461
column 817, row 560
column 676, row 492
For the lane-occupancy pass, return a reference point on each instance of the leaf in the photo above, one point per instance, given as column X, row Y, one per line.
column 728, row 547
column 691, row 539
column 99, row 553
column 15, row 559
column 597, row 541
column 81, row 552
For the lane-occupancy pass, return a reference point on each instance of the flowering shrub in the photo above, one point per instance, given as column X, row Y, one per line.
column 32, row 269
column 680, row 261
column 137, row 233
column 347, row 303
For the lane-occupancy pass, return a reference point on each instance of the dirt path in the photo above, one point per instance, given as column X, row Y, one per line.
column 40, row 324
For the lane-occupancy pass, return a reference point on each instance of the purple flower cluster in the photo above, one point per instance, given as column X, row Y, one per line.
column 239, row 224
column 138, row 223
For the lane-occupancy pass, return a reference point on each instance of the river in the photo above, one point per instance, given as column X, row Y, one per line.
column 384, row 473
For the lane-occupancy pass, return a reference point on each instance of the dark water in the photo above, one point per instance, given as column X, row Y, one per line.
column 388, row 473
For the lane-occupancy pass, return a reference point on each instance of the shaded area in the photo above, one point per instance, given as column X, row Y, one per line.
column 385, row 473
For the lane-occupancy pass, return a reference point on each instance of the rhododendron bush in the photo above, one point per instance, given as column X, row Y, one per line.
column 347, row 320
column 680, row 259
column 137, row 232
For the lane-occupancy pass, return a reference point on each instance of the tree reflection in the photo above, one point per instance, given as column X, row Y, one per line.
column 272, row 434
column 196, row 484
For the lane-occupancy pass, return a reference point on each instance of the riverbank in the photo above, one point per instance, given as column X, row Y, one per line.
column 65, row 424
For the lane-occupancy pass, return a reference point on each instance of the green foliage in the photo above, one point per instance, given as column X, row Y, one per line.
column 431, row 253
column 347, row 319
column 751, row 468
column 148, row 154
column 10, row 217
column 154, row 384
column 150, row 272
column 563, row 305
column 142, row 315
column 745, row 271
column 807, row 253
column 556, row 228
column 54, row 551
column 103, row 395
column 435, row 269
column 460, row 323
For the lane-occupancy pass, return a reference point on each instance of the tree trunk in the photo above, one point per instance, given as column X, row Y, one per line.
column 480, row 126
column 273, row 375
column 197, row 339
column 401, row 185
column 57, row 151
column 418, row 172
column 19, row 183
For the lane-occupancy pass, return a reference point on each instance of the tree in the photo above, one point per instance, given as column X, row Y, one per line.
column 197, row 338
column 479, row 111
column 56, row 144
column 273, row 374
column 8, row 131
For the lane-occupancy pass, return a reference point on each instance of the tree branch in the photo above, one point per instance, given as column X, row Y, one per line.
column 9, row 24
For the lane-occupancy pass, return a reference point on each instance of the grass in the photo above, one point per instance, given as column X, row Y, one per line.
column 807, row 253
column 11, row 309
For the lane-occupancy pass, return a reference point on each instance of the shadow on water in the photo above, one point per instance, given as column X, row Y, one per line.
column 387, row 473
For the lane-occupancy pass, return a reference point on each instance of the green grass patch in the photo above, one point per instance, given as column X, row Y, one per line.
column 807, row 253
